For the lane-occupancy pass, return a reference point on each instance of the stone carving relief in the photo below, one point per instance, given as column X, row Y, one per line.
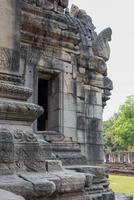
column 82, row 16
column 24, row 136
column 101, row 44
column 9, row 59
column 6, row 146
column 49, row 4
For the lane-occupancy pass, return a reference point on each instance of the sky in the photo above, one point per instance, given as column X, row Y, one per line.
column 119, row 15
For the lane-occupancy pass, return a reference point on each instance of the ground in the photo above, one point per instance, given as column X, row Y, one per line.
column 123, row 184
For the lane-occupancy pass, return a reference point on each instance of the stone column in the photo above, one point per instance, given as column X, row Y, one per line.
column 9, row 36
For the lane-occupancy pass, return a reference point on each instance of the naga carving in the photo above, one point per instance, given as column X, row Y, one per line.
column 101, row 44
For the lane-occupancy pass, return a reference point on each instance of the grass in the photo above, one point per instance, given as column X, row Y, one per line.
column 123, row 184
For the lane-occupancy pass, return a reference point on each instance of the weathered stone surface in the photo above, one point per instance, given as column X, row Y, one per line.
column 60, row 57
column 71, row 182
column 41, row 185
column 16, row 185
column 120, row 196
column 54, row 165
column 101, row 46
column 5, row 195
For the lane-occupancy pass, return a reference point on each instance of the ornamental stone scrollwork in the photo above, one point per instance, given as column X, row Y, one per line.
column 84, row 21
column 101, row 44
column 9, row 59
column 6, row 146
column 24, row 136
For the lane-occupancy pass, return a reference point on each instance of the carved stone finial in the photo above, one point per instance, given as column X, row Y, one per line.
column 82, row 16
column 101, row 46
column 74, row 10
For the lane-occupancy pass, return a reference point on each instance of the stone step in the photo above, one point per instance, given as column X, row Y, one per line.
column 121, row 196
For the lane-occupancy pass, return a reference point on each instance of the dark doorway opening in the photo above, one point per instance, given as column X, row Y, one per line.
column 43, row 101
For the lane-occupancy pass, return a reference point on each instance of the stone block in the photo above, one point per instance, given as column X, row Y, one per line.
column 89, row 111
column 54, row 102
column 80, row 90
column 80, row 78
column 94, row 124
column 95, row 171
column 69, row 84
column 98, row 112
column 80, row 106
column 70, row 119
column 96, row 150
column 69, row 102
column 42, row 186
column 82, row 70
column 71, row 182
column 16, row 185
column 81, row 122
column 53, row 165
column 70, row 134
column 65, row 56
column 94, row 137
column 54, row 119
column 99, row 98
column 93, row 97
column 81, row 136
column 75, row 70
column 97, row 83
column 68, row 68
column 6, row 195
column 122, row 196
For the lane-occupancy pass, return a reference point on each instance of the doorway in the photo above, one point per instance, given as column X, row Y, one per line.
column 42, row 124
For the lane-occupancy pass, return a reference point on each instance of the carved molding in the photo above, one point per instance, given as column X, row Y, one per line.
column 10, row 78
column 18, row 111
column 14, row 91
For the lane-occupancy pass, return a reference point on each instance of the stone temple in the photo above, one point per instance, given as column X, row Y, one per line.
column 53, row 88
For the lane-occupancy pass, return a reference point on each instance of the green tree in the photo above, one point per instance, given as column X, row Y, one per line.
column 119, row 130
column 109, row 134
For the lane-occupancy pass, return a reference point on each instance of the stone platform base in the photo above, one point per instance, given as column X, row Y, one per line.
column 40, row 186
column 74, row 183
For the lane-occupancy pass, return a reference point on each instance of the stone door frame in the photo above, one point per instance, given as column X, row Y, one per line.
column 45, row 73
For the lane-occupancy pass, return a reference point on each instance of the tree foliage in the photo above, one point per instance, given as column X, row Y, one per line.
column 119, row 130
